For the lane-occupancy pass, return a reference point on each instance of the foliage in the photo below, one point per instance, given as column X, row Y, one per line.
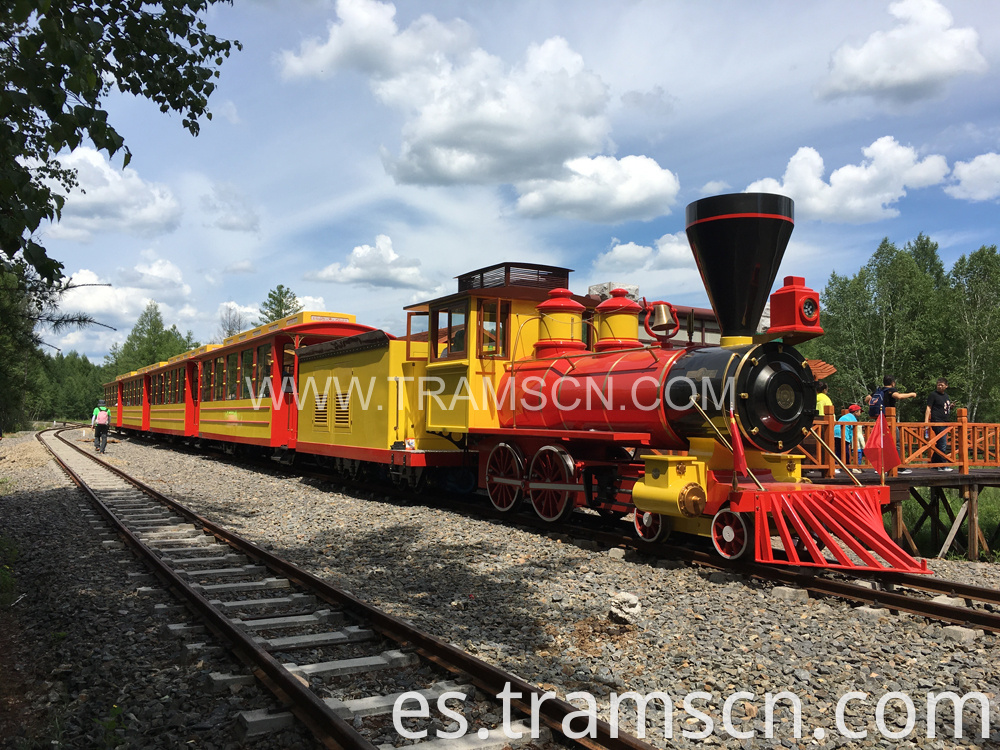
column 148, row 342
column 27, row 304
column 111, row 728
column 73, row 385
column 281, row 302
column 232, row 320
column 58, row 60
column 903, row 315
column 976, row 307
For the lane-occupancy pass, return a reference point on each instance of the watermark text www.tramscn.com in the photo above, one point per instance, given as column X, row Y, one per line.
column 895, row 714
column 533, row 393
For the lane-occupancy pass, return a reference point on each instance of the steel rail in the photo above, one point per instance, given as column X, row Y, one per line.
column 487, row 677
column 328, row 728
column 942, row 586
column 825, row 586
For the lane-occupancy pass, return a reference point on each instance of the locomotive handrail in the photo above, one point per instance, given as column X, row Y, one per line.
column 836, row 458
column 722, row 439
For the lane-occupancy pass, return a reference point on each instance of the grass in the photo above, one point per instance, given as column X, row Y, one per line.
column 989, row 517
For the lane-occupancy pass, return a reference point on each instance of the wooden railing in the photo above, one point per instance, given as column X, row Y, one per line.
column 969, row 444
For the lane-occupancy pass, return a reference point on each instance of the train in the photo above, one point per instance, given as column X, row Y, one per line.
column 517, row 388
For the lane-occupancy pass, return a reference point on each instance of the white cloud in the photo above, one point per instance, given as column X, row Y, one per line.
column 473, row 119
column 603, row 189
column 249, row 312
column 240, row 266
column 229, row 112
column 367, row 39
column 668, row 268
column 112, row 200
column 912, row 61
column 672, row 253
column 978, row 180
column 378, row 266
column 229, row 209
column 309, row 302
column 856, row 193
column 479, row 122
column 157, row 275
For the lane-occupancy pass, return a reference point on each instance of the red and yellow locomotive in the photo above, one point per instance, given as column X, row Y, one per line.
column 557, row 400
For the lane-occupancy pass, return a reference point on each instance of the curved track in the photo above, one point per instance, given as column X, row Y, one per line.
column 265, row 609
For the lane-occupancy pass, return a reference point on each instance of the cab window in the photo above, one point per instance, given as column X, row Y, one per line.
column 448, row 334
column 494, row 318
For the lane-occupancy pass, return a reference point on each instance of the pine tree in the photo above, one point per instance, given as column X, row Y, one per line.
column 148, row 342
column 281, row 302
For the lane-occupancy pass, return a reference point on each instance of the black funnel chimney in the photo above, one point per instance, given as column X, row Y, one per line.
column 738, row 241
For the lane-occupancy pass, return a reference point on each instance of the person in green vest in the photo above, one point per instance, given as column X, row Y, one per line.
column 100, row 421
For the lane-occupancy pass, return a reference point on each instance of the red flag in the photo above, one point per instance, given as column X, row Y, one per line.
column 739, row 457
column 881, row 448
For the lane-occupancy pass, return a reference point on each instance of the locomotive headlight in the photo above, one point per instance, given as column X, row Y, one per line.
column 809, row 308
column 785, row 396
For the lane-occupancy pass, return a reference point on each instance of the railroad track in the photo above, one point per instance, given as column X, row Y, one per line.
column 956, row 603
column 305, row 639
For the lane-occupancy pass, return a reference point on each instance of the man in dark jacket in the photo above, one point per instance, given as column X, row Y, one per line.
column 938, row 409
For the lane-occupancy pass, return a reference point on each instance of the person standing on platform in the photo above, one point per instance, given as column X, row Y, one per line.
column 938, row 409
column 839, row 440
column 822, row 397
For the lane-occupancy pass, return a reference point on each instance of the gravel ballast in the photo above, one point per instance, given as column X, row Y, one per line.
column 559, row 614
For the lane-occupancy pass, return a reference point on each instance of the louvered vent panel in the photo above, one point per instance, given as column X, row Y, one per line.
column 321, row 417
column 342, row 411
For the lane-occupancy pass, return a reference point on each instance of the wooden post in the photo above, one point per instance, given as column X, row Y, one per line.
column 973, row 548
column 896, row 525
column 963, row 439
column 890, row 423
column 827, row 434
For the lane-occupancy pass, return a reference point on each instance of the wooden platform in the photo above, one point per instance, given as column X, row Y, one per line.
column 973, row 454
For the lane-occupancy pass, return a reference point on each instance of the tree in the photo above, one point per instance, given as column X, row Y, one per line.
column 886, row 320
column 58, row 60
column 28, row 305
column 974, row 281
column 147, row 343
column 232, row 320
column 281, row 302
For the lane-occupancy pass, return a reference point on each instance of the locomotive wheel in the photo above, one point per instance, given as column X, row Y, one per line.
column 651, row 527
column 552, row 465
column 504, row 474
column 732, row 533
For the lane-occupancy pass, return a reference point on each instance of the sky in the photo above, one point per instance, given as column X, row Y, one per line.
column 365, row 153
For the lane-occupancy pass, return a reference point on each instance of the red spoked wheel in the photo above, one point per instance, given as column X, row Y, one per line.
column 651, row 527
column 732, row 533
column 504, row 475
column 553, row 468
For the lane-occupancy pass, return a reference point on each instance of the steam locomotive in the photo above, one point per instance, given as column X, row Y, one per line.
column 538, row 396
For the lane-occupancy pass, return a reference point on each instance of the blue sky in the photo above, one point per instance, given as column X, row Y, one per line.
column 364, row 153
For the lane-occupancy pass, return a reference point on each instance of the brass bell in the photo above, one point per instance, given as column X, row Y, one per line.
column 662, row 320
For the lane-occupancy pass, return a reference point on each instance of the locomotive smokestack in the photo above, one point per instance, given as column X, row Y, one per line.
column 738, row 241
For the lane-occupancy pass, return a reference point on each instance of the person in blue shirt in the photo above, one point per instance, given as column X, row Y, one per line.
column 847, row 437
